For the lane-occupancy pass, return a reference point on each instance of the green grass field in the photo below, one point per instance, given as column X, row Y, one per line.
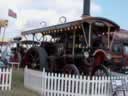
column 18, row 86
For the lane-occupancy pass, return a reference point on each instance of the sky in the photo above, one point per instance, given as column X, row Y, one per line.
column 30, row 13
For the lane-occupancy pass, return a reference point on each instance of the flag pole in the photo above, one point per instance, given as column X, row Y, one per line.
column 3, row 37
column 0, row 29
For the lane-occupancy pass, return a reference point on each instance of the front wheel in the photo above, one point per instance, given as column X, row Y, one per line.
column 100, row 71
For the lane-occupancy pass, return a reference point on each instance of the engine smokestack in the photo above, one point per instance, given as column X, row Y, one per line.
column 86, row 8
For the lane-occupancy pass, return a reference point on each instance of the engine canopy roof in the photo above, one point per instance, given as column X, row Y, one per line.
column 74, row 25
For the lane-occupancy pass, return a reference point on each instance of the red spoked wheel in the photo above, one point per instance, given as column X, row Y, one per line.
column 100, row 71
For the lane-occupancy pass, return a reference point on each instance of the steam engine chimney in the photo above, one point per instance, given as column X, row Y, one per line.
column 86, row 8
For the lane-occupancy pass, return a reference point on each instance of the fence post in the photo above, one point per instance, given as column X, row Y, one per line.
column 43, row 77
column 3, row 74
column 80, row 85
column 76, row 84
column 10, row 78
column 96, row 85
column 92, row 85
column 69, row 84
column 58, row 86
column 65, row 87
column 88, row 85
column 7, row 78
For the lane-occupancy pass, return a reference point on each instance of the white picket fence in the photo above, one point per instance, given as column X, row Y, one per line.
column 5, row 78
column 53, row 84
column 71, row 85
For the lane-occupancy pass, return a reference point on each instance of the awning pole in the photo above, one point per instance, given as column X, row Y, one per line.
column 85, row 38
column 108, row 37
column 74, row 40
column 90, row 32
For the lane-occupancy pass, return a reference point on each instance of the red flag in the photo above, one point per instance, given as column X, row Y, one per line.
column 11, row 13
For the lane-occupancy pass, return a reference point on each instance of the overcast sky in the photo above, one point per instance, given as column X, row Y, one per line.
column 30, row 13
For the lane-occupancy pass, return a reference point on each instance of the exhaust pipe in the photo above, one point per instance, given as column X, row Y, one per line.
column 86, row 8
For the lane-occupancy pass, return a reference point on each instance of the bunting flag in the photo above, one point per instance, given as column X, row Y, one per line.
column 11, row 13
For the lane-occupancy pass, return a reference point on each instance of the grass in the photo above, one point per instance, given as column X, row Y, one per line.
column 18, row 86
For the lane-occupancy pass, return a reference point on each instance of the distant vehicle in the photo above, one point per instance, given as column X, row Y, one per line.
column 120, row 50
column 17, row 52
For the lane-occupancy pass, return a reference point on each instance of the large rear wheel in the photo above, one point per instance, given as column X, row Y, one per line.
column 36, row 58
